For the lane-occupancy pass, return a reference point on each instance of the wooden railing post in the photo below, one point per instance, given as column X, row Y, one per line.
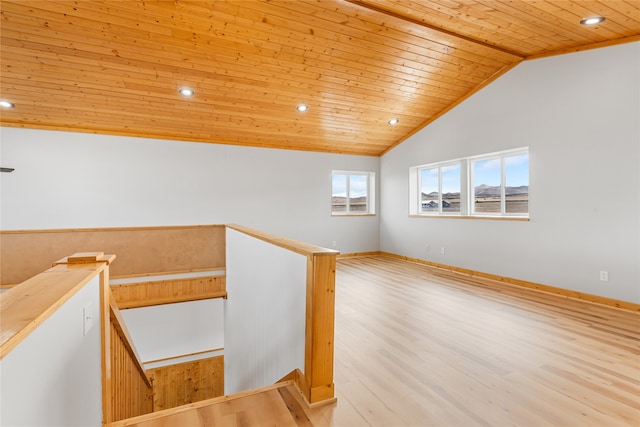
column 319, row 352
column 105, row 337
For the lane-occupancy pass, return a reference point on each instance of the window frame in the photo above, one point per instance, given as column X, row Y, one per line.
column 370, row 193
column 467, row 189
column 439, row 166
column 502, row 156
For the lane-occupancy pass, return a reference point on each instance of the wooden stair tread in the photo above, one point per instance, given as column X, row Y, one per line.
column 278, row 405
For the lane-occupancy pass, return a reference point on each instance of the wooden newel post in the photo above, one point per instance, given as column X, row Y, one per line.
column 319, row 348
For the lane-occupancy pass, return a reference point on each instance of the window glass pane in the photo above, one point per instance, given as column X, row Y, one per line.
column 358, row 193
column 339, row 192
column 516, row 170
column 451, row 188
column 429, row 190
column 486, row 186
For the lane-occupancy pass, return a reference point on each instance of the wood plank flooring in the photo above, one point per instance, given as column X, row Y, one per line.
column 417, row 346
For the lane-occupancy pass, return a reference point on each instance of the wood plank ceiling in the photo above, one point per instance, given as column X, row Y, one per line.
column 115, row 67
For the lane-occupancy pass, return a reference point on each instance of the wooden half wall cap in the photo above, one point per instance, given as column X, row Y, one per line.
column 85, row 258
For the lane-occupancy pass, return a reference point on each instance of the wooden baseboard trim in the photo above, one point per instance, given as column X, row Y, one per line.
column 624, row 305
column 357, row 254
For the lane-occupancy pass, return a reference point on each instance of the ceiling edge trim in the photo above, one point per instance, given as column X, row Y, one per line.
column 607, row 43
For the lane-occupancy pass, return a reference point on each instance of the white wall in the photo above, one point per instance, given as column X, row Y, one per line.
column 579, row 114
column 54, row 376
column 71, row 180
column 173, row 330
column 265, row 313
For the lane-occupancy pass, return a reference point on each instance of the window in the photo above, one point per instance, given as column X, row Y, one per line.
column 352, row 193
column 440, row 189
column 501, row 184
column 495, row 184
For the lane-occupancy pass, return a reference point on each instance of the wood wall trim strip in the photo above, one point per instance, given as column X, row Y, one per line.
column 625, row 305
column 166, row 273
column 146, row 294
column 109, row 229
column 197, row 353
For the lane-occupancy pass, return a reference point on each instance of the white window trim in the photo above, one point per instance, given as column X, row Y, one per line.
column 440, row 166
column 471, row 194
column 371, row 191
column 467, row 194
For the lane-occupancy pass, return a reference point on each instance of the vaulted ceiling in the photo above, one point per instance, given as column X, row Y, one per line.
column 115, row 67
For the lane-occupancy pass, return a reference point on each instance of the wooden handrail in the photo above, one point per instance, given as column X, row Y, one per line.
column 27, row 305
column 283, row 242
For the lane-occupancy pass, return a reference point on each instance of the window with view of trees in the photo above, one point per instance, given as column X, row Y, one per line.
column 352, row 193
column 495, row 184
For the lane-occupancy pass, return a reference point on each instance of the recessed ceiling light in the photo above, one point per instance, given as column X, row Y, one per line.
column 7, row 104
column 302, row 108
column 394, row 121
column 186, row 91
column 592, row 20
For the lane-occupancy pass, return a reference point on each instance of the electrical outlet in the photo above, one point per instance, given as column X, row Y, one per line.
column 442, row 250
column 334, row 244
column 604, row 276
column 428, row 248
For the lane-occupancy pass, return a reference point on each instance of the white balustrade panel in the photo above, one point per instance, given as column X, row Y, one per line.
column 264, row 313
column 54, row 376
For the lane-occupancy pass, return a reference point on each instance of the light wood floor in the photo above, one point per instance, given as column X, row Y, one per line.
column 417, row 346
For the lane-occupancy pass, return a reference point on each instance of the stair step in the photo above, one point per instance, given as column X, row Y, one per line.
column 280, row 404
